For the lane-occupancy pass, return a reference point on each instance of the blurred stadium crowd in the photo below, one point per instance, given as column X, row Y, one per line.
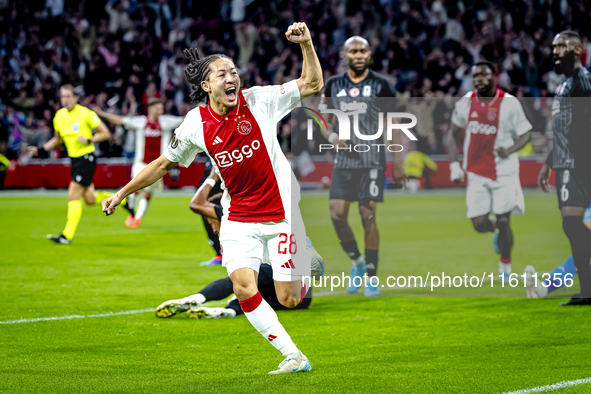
column 124, row 52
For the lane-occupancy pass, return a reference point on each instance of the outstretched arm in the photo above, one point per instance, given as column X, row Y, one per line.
column 153, row 172
column 112, row 118
column 311, row 81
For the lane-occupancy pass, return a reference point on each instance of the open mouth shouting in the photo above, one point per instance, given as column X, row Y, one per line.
column 231, row 94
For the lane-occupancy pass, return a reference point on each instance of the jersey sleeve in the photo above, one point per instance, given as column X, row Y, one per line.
column 326, row 97
column 92, row 119
column 183, row 147
column 56, row 122
column 581, row 86
column 521, row 124
column 170, row 122
column 134, row 122
column 459, row 116
column 387, row 96
column 277, row 100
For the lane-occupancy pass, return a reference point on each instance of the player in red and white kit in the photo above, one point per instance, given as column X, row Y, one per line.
column 152, row 135
column 496, row 127
column 261, row 221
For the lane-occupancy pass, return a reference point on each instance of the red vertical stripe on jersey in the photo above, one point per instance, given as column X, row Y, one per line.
column 483, row 126
column 153, row 141
column 244, row 163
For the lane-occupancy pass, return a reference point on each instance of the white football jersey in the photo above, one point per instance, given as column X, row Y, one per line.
column 489, row 125
column 151, row 138
column 258, row 182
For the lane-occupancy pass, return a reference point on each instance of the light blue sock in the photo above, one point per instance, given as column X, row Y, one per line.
column 568, row 267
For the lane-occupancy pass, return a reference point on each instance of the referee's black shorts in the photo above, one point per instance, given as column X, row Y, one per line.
column 83, row 168
column 357, row 184
column 573, row 188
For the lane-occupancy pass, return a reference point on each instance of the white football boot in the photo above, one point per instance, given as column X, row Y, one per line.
column 296, row 362
column 317, row 262
column 532, row 290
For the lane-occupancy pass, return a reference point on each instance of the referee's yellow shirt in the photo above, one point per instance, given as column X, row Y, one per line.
column 71, row 124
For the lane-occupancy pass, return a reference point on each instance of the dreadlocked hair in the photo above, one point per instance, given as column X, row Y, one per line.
column 197, row 71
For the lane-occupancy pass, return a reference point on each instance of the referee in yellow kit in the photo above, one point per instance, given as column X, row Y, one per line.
column 74, row 126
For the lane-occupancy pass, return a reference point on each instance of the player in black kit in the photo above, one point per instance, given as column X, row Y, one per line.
column 359, row 174
column 570, row 157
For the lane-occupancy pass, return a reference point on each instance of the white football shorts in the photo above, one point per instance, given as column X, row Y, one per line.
column 484, row 195
column 281, row 244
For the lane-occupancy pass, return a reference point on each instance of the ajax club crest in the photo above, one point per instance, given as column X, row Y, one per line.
column 244, row 127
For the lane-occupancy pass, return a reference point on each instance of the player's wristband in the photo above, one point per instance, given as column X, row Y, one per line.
column 41, row 152
column 209, row 182
column 89, row 141
column 219, row 211
column 332, row 137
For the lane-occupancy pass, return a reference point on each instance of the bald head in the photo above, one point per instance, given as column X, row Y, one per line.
column 357, row 53
column 567, row 48
column 572, row 37
column 356, row 39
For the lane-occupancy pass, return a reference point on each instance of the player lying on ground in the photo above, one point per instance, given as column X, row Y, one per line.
column 359, row 176
column 208, row 206
column 262, row 221
column 208, row 194
column 74, row 126
column 570, row 154
column 152, row 135
column 223, row 288
column 542, row 287
column 496, row 127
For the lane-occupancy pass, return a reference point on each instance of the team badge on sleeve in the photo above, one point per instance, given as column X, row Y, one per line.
column 174, row 142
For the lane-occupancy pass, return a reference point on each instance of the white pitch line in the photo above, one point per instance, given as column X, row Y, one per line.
column 68, row 317
column 550, row 387
column 106, row 314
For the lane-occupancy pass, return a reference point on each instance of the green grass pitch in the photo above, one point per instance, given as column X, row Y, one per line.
column 407, row 344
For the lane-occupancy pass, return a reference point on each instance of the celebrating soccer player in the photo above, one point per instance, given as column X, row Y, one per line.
column 152, row 135
column 359, row 176
column 496, row 128
column 570, row 154
column 262, row 221
column 74, row 126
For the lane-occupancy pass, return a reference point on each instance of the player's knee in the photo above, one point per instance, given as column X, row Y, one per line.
column 367, row 216
column 89, row 198
column 148, row 196
column 481, row 226
column 288, row 301
column 338, row 217
column 244, row 290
